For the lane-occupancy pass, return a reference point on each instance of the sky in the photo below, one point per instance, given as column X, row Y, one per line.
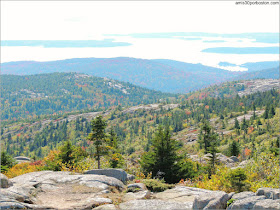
column 140, row 29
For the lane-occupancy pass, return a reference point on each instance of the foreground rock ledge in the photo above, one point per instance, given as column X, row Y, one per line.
column 65, row 190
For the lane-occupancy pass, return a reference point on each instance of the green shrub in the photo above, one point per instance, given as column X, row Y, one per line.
column 6, row 161
column 230, row 201
column 237, row 179
column 156, row 185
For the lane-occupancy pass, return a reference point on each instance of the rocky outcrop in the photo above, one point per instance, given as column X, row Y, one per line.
column 5, row 182
column 22, row 159
column 111, row 172
column 246, row 203
column 64, row 190
column 264, row 198
column 229, row 161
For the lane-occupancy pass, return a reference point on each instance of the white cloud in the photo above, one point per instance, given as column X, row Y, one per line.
column 84, row 19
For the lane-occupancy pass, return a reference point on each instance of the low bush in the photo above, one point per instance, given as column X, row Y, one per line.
column 156, row 185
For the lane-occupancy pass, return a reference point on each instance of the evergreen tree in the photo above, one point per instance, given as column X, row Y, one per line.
column 266, row 112
column 236, row 124
column 116, row 159
column 234, row 148
column 66, row 153
column 213, row 150
column 254, row 114
column 206, row 136
column 113, row 141
column 271, row 112
column 163, row 158
column 244, row 125
column 98, row 136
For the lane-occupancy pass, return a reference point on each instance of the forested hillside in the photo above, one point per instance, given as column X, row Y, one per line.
column 58, row 93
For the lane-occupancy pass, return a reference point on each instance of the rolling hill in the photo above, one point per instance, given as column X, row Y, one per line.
column 271, row 73
column 162, row 75
column 58, row 93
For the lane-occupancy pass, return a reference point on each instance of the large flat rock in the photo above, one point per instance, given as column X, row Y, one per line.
column 59, row 190
column 51, row 178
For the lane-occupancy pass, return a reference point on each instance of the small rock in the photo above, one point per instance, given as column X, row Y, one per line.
column 11, row 205
column 119, row 174
column 133, row 187
column 5, row 182
column 137, row 196
column 270, row 193
column 106, row 207
column 130, row 177
column 234, row 159
column 267, row 204
column 12, row 195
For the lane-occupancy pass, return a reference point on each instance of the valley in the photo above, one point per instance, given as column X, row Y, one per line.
column 243, row 117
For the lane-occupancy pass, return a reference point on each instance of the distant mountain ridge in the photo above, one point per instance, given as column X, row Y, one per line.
column 156, row 74
column 271, row 73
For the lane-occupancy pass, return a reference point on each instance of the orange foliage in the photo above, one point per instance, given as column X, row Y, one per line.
column 250, row 130
column 247, row 151
column 202, row 95
column 182, row 182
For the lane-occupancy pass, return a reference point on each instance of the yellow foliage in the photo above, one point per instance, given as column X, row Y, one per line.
column 263, row 172
column 22, row 168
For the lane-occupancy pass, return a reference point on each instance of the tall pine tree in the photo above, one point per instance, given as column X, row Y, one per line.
column 98, row 136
